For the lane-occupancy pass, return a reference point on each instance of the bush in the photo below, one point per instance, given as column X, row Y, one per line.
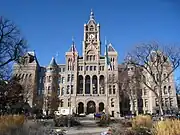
column 63, row 120
column 142, row 121
column 104, row 120
column 8, row 122
column 167, row 127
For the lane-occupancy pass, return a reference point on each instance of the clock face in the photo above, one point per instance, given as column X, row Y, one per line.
column 91, row 36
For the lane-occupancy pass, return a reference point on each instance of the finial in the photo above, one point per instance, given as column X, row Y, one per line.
column 92, row 15
column 105, row 41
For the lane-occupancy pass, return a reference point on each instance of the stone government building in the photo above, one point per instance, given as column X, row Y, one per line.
column 88, row 81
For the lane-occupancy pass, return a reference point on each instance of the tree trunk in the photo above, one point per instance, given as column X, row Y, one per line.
column 161, row 109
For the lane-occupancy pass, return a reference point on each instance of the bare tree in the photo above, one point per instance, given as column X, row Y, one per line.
column 156, row 65
column 12, row 44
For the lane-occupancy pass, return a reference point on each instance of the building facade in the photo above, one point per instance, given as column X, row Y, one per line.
column 84, row 84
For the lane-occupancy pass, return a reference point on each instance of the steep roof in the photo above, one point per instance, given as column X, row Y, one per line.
column 53, row 62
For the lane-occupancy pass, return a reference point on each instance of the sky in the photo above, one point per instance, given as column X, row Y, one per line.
column 49, row 25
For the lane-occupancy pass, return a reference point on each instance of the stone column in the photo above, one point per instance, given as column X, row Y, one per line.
column 85, row 109
column 98, row 85
column 91, row 86
column 84, row 84
column 97, row 108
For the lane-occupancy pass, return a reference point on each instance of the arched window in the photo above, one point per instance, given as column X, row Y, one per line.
column 101, row 84
column 80, row 85
column 94, row 84
column 87, row 84
column 112, row 102
column 61, row 103
column 67, row 90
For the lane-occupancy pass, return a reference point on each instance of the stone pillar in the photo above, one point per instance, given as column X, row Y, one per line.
column 84, row 84
column 85, row 109
column 91, row 85
column 98, row 85
column 97, row 108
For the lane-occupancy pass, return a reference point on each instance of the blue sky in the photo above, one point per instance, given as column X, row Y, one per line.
column 48, row 25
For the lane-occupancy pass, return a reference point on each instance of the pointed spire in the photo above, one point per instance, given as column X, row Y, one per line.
column 73, row 47
column 53, row 62
column 92, row 15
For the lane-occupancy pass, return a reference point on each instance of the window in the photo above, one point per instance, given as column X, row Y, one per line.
column 112, row 113
column 112, row 102
column 69, row 102
column 68, row 79
column 94, row 68
column 81, row 68
column 171, row 102
column 87, row 68
column 91, row 68
column 61, row 103
column 63, row 80
column 165, row 90
column 114, row 89
column 110, row 89
column 58, row 91
column 146, row 103
column 169, row 90
column 59, row 69
column 102, row 68
column 62, row 91
column 67, row 89
column 63, row 69
column 72, row 77
column 72, row 87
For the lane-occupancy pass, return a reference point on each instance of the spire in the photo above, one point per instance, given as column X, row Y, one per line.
column 53, row 62
column 92, row 15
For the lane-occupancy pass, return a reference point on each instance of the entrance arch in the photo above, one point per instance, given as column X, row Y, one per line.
column 91, row 107
column 80, row 108
column 101, row 107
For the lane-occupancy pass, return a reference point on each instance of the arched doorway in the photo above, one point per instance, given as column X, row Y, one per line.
column 91, row 107
column 80, row 108
column 101, row 107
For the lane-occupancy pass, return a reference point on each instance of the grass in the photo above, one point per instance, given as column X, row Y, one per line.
column 11, row 121
column 167, row 127
column 142, row 121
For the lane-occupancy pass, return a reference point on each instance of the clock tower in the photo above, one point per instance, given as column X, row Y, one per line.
column 91, row 42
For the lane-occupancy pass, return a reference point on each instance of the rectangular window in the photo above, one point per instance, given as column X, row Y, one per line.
column 72, row 77
column 63, row 69
column 94, row 68
column 146, row 103
column 72, row 87
column 91, row 68
column 63, row 80
column 110, row 89
column 87, row 68
column 68, row 78
column 171, row 102
column 112, row 113
column 102, row 68
column 68, row 102
column 114, row 89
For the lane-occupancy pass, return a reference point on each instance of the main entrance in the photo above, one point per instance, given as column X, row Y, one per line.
column 91, row 107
